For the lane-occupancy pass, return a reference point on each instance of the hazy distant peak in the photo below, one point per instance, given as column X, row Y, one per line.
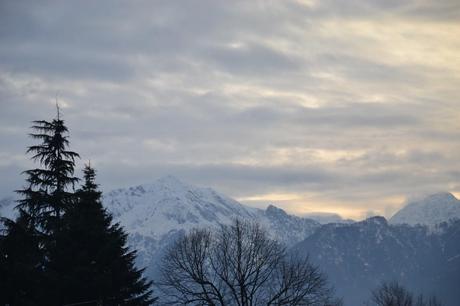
column 430, row 210
column 275, row 211
column 325, row 217
column 376, row 220
column 439, row 196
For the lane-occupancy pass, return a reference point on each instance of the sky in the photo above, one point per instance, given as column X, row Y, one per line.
column 346, row 107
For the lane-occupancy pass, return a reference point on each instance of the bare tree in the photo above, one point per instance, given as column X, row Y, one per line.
column 239, row 264
column 394, row 294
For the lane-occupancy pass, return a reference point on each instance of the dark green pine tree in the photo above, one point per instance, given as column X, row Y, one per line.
column 31, row 242
column 50, row 188
column 99, row 266
column 20, row 262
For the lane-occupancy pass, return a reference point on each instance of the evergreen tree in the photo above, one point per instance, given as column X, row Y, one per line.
column 98, row 267
column 63, row 247
column 30, row 246
column 49, row 189
column 20, row 263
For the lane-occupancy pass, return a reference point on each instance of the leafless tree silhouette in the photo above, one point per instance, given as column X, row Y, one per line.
column 394, row 294
column 239, row 264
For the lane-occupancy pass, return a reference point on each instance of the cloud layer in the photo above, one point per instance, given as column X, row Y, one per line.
column 312, row 105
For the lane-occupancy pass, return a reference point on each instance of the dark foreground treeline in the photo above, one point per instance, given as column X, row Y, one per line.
column 64, row 249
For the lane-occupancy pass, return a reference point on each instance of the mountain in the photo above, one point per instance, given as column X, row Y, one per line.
column 325, row 218
column 355, row 256
column 170, row 205
column 7, row 209
column 156, row 214
column 358, row 257
column 431, row 210
column 285, row 228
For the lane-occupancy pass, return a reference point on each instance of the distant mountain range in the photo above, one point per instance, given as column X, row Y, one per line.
column 325, row 218
column 358, row 256
column 154, row 214
column 355, row 255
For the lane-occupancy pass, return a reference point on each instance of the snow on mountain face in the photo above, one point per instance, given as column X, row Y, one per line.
column 171, row 205
column 154, row 215
column 432, row 210
column 286, row 228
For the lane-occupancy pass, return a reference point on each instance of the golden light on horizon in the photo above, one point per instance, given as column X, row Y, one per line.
column 302, row 204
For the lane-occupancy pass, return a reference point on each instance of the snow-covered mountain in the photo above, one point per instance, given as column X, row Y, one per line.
column 430, row 211
column 155, row 214
column 285, row 228
column 171, row 205
column 355, row 255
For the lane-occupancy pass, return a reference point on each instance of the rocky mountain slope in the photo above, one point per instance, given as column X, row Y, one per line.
column 357, row 257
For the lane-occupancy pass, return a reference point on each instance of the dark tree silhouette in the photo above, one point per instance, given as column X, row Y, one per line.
column 394, row 294
column 97, row 263
column 45, row 198
column 49, row 189
column 21, row 272
column 63, row 248
column 238, row 265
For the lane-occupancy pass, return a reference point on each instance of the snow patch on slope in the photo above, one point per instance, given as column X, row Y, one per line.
column 430, row 211
column 156, row 214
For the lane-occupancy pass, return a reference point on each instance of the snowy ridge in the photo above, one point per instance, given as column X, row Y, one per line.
column 430, row 211
column 156, row 214
column 171, row 205
column 286, row 228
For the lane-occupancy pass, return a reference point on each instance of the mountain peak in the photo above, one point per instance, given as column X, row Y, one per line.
column 440, row 196
column 376, row 220
column 275, row 211
column 431, row 210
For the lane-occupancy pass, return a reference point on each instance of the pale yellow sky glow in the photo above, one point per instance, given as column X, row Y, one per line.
column 302, row 204
column 332, row 106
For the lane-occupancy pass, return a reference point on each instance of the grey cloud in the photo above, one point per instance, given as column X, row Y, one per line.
column 67, row 63
column 253, row 59
column 435, row 10
column 243, row 97
column 418, row 9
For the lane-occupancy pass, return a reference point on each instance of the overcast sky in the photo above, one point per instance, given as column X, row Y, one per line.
column 333, row 106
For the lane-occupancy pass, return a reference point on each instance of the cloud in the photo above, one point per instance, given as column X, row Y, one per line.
column 347, row 108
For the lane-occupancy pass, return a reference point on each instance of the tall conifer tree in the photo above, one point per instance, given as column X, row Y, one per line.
column 30, row 246
column 20, row 263
column 99, row 265
column 63, row 247
column 50, row 188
